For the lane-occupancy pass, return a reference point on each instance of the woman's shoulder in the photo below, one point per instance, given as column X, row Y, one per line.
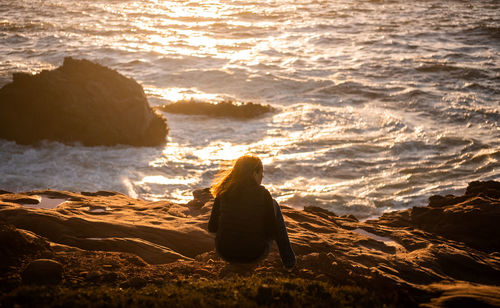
column 263, row 191
column 256, row 190
column 248, row 191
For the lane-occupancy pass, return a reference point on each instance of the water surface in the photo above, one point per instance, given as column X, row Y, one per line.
column 380, row 103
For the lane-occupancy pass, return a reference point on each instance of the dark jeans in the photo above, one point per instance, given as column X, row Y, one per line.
column 281, row 237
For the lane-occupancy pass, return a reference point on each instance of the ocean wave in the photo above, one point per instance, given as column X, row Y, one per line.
column 467, row 73
column 491, row 31
column 412, row 98
column 17, row 39
column 354, row 88
column 259, row 15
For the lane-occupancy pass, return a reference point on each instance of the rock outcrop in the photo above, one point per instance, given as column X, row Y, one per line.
column 419, row 255
column 469, row 219
column 227, row 109
column 79, row 101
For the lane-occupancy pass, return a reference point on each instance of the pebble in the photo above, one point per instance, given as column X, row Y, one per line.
column 43, row 271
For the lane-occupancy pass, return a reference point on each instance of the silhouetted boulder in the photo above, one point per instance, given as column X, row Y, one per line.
column 79, row 101
column 221, row 109
column 43, row 271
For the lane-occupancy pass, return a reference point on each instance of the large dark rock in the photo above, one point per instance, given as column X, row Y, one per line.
column 79, row 102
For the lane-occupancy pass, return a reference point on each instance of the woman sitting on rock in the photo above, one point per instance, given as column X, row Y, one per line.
column 245, row 216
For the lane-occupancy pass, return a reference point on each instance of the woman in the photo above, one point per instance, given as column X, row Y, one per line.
column 245, row 217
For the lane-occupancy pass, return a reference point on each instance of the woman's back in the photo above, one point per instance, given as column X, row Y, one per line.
column 244, row 222
column 245, row 217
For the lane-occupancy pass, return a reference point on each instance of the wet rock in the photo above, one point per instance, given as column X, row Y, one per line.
column 82, row 102
column 43, row 271
column 221, row 109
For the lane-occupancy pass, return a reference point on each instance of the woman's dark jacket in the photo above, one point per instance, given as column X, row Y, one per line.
column 244, row 222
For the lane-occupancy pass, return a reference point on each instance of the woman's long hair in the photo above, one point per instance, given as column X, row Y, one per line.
column 240, row 173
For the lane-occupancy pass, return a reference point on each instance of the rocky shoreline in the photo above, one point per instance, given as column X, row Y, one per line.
column 445, row 253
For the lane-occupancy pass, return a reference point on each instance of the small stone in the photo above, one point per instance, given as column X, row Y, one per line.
column 43, row 271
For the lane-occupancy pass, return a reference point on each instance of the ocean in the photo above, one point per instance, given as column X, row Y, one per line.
column 380, row 104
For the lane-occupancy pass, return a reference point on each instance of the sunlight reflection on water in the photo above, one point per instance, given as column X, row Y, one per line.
column 379, row 105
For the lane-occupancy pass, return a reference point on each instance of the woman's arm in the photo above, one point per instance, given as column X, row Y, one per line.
column 269, row 216
column 213, row 223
